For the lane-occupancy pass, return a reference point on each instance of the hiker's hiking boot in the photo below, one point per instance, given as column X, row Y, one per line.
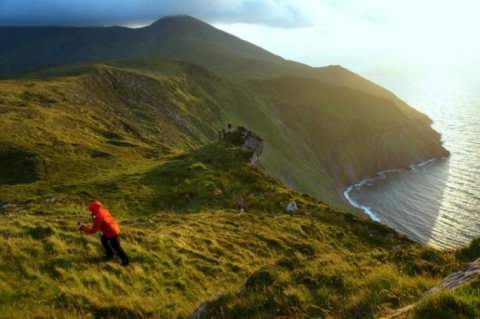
column 125, row 261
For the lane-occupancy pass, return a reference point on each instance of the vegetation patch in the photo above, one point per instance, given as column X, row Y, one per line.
column 20, row 167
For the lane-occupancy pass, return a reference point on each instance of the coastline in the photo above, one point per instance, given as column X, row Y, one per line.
column 364, row 209
column 380, row 175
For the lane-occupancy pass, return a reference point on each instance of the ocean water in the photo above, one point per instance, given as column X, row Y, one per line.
column 436, row 203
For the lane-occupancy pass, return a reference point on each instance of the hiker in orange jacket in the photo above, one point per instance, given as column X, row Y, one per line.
column 103, row 221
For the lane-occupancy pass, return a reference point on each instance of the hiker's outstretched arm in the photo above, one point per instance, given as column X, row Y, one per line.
column 97, row 221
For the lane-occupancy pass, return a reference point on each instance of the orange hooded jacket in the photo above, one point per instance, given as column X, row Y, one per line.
column 102, row 220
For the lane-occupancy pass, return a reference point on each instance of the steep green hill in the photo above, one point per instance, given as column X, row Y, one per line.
column 323, row 162
column 179, row 37
column 349, row 134
column 319, row 138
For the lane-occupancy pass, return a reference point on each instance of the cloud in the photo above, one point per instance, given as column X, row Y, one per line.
column 277, row 13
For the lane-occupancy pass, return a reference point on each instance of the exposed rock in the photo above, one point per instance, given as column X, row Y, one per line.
column 247, row 140
column 202, row 310
column 451, row 282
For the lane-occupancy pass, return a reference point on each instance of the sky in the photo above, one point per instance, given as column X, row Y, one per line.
column 360, row 35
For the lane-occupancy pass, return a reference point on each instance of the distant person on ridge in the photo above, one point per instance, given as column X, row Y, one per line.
column 292, row 207
column 103, row 221
column 229, row 125
column 240, row 205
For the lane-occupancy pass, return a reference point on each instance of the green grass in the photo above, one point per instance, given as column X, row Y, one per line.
column 320, row 263
column 188, row 243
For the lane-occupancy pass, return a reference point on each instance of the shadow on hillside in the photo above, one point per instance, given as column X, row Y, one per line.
column 175, row 184
column 18, row 167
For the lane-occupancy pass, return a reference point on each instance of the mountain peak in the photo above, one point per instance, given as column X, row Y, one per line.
column 182, row 24
column 174, row 19
column 190, row 27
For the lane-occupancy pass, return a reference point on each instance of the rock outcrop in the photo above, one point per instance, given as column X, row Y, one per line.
column 247, row 140
column 451, row 282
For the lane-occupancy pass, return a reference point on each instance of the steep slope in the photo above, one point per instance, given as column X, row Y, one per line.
column 139, row 135
column 179, row 37
column 319, row 137
column 195, row 255
column 337, row 136
column 88, row 128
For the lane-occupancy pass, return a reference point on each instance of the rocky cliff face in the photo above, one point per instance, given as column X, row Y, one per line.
column 247, row 140
column 374, row 151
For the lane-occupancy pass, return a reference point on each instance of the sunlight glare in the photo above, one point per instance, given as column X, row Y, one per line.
column 438, row 33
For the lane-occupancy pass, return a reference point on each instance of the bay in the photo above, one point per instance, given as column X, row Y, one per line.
column 435, row 203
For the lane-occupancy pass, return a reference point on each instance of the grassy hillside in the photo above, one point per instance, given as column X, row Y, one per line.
column 321, row 163
column 340, row 136
column 319, row 138
column 194, row 248
column 178, row 37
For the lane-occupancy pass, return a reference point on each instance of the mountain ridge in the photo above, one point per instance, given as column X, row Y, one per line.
column 332, row 148
column 241, row 53
column 106, row 43
column 241, row 60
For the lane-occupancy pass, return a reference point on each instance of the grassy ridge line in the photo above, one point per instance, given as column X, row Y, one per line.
column 78, row 130
column 116, row 116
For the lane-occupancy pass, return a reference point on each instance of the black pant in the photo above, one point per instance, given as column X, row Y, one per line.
column 114, row 242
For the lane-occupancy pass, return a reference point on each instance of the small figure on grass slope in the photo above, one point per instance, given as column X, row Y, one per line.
column 240, row 205
column 103, row 221
column 292, row 207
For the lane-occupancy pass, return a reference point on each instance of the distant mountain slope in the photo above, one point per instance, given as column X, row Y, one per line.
column 27, row 48
column 23, row 49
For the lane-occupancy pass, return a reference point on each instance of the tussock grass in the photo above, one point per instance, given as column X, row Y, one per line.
column 263, row 265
